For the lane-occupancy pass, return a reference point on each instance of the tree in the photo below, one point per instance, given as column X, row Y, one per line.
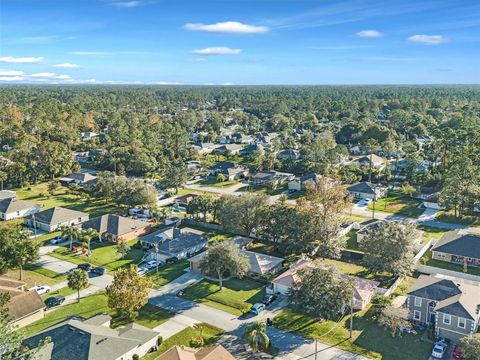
column 53, row 186
column 175, row 176
column 77, row 280
column 10, row 339
column 202, row 204
column 3, row 177
column 256, row 335
column 321, row 292
column 394, row 319
column 24, row 251
column 122, row 248
column 390, row 247
column 471, row 346
column 75, row 189
column 87, row 235
column 224, row 259
column 408, row 189
column 128, row 292
column 221, row 177
column 71, row 232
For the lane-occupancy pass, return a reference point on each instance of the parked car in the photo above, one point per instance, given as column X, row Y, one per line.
column 268, row 299
column 152, row 264
column 41, row 289
column 57, row 239
column 85, row 266
column 99, row 270
column 439, row 349
column 142, row 271
column 137, row 245
column 172, row 260
column 257, row 308
column 54, row 301
column 458, row 352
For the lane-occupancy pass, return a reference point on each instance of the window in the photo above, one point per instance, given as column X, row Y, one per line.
column 418, row 301
column 462, row 323
column 416, row 315
column 447, row 319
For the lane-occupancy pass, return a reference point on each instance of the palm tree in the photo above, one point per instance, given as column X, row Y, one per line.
column 3, row 177
column 87, row 236
column 77, row 280
column 71, row 232
column 256, row 334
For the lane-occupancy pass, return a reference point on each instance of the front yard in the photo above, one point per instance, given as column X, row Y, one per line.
column 368, row 338
column 213, row 182
column 431, row 233
column 427, row 260
column 36, row 275
column 236, row 297
column 398, row 204
column 449, row 217
column 167, row 273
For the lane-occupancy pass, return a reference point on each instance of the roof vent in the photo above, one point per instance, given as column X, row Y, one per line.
column 81, row 332
column 71, row 328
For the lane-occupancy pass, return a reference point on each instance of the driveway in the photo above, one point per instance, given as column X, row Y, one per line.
column 185, row 280
column 54, row 264
column 230, row 190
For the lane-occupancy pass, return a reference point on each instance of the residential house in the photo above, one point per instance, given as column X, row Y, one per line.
column 93, row 339
column 54, row 218
column 249, row 149
column 12, row 208
column 458, row 247
column 450, row 305
column 114, row 227
column 89, row 135
column 260, row 264
column 194, row 167
column 433, row 202
column 184, row 200
column 367, row 191
column 24, row 307
column 271, row 178
column 301, row 182
column 231, row 170
column 363, row 289
column 174, row 242
column 77, row 178
column 242, row 139
column 7, row 194
column 229, row 149
column 288, row 154
column 205, row 148
column 81, row 156
column 217, row 352
column 376, row 161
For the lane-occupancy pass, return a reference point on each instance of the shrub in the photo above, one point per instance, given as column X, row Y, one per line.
column 159, row 341
column 197, row 342
column 135, row 357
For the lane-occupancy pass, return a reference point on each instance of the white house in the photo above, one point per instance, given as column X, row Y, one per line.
column 53, row 219
column 12, row 208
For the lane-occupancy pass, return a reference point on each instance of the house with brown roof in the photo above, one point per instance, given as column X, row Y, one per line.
column 458, row 247
column 217, row 352
column 24, row 307
column 114, row 227
column 13, row 208
column 363, row 289
column 54, row 218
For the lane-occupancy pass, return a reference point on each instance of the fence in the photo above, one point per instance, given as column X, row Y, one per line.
column 390, row 290
column 431, row 270
column 424, row 249
column 198, row 223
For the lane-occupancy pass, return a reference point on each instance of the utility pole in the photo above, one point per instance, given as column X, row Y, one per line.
column 374, row 200
column 156, row 255
column 34, row 225
column 316, row 343
column 351, row 317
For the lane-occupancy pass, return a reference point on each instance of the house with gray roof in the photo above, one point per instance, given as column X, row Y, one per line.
column 13, row 208
column 231, row 170
column 7, row 194
column 54, row 218
column 271, row 178
column 93, row 339
column 450, row 305
column 367, row 190
column 301, row 182
column 174, row 242
column 114, row 227
column 458, row 247
column 78, row 178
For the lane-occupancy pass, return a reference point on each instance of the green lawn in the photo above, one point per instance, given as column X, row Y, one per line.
column 211, row 334
column 263, row 189
column 213, row 182
column 103, row 254
column 149, row 316
column 167, row 273
column 431, row 233
column 449, row 217
column 236, row 297
column 63, row 291
column 351, row 240
column 368, row 339
column 36, row 275
column 399, row 204
column 427, row 260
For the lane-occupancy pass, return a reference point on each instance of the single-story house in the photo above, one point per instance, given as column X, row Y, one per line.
column 424, row 192
column 77, row 178
column 271, row 178
column 216, row 352
column 363, row 289
column 377, row 161
column 301, row 182
column 288, row 154
column 242, row 139
column 194, row 167
column 114, row 227
column 230, row 170
column 205, row 148
column 7, row 194
column 174, row 242
column 93, row 339
column 230, row 149
column 458, row 247
column 12, row 208
column 260, row 264
column 367, row 190
column 432, row 202
column 54, row 218
column 89, row 135
column 24, row 307
column 184, row 200
column 249, row 149
column 450, row 305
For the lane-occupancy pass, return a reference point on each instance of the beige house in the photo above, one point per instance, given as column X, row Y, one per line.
column 458, row 247
column 115, row 227
column 53, row 219
column 216, row 352
column 12, row 208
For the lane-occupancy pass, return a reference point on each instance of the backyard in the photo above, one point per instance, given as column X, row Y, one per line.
column 449, row 217
column 398, row 204
column 427, row 260
column 36, row 275
column 236, row 297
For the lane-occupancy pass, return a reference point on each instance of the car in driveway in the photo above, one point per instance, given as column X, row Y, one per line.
column 85, row 266
column 257, row 308
column 57, row 240
column 458, row 352
column 268, row 299
column 439, row 350
column 41, row 289
column 54, row 301
column 152, row 264
column 142, row 271
column 99, row 270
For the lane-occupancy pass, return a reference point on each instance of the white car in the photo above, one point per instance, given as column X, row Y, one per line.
column 57, row 239
column 41, row 289
column 152, row 264
column 142, row 271
column 439, row 349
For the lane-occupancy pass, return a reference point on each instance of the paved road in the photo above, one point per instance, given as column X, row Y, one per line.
column 54, row 264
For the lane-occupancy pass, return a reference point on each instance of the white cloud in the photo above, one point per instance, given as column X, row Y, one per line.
column 11, row 78
column 385, row 58
column 66, row 66
column 228, row 27
column 221, row 50
column 126, row 4
column 168, row 83
column 428, row 39
column 43, row 75
column 10, row 73
column 369, row 34
column 20, row 60
column 63, row 77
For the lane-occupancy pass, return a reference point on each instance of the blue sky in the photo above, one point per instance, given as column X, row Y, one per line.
column 240, row 42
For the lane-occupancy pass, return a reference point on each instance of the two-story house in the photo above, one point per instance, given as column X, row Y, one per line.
column 458, row 247
column 451, row 306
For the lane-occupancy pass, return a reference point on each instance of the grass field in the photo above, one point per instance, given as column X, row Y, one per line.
column 449, row 217
column 427, row 260
column 351, row 240
column 211, row 334
column 236, row 296
column 167, row 273
column 149, row 316
column 399, row 204
column 368, row 339
column 213, row 182
column 431, row 233
column 63, row 291
column 36, row 275
column 103, row 254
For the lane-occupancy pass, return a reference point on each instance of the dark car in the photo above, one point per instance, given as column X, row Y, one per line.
column 54, row 301
column 98, row 270
column 172, row 260
column 458, row 352
column 85, row 266
column 268, row 299
column 137, row 245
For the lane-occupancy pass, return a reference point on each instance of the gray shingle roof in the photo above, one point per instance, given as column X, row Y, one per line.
column 363, row 187
column 57, row 215
column 13, row 205
column 172, row 241
column 114, row 224
column 458, row 243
